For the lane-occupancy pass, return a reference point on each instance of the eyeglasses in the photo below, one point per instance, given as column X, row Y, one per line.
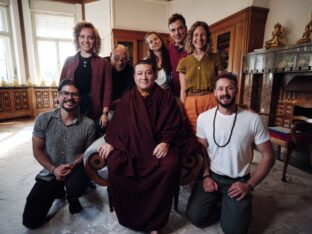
column 65, row 94
column 119, row 59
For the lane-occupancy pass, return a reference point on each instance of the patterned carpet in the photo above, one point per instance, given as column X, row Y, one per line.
column 278, row 207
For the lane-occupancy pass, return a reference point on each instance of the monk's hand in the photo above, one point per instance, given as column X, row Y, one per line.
column 103, row 121
column 105, row 150
column 239, row 190
column 209, row 185
column 161, row 150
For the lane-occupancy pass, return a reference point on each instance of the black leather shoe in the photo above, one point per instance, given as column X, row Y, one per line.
column 74, row 205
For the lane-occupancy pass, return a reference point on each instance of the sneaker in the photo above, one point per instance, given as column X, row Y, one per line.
column 74, row 205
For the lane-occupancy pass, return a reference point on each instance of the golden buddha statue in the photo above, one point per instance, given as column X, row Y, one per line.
column 307, row 34
column 277, row 37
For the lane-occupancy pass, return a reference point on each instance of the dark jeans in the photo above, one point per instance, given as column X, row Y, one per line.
column 42, row 195
column 205, row 208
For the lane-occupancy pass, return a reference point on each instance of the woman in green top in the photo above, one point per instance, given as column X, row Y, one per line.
column 197, row 72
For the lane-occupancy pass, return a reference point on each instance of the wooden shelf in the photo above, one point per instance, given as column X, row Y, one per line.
column 239, row 33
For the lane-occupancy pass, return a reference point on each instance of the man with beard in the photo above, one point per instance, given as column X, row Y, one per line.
column 59, row 139
column 228, row 132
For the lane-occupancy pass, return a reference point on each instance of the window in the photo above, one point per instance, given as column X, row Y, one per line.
column 7, row 73
column 53, row 39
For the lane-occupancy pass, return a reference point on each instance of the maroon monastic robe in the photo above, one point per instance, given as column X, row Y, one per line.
column 142, row 186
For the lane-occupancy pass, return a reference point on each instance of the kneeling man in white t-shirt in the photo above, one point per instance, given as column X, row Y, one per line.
column 228, row 132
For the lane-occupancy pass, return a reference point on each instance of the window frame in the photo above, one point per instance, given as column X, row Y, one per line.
column 56, row 40
column 12, row 76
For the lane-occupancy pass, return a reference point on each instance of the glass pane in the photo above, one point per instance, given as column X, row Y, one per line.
column 3, row 19
column 223, row 46
column 6, row 68
column 47, row 61
column 54, row 26
column 65, row 49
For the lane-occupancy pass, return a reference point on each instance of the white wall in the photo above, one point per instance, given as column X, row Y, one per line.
column 293, row 15
column 99, row 14
column 209, row 11
column 142, row 15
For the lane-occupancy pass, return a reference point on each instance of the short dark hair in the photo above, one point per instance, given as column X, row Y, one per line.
column 227, row 75
column 146, row 61
column 176, row 17
column 67, row 82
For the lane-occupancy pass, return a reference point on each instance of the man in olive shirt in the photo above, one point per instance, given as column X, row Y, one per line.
column 60, row 138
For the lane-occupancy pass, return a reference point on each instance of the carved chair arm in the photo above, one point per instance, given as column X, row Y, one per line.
column 95, row 166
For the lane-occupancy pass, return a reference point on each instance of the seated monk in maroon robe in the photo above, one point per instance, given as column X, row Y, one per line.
column 141, row 147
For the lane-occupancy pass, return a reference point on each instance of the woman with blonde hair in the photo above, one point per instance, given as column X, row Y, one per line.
column 197, row 72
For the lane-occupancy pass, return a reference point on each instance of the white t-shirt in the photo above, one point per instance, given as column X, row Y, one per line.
column 161, row 79
column 234, row 159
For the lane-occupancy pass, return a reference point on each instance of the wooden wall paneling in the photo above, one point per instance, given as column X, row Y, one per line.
column 238, row 53
column 138, row 49
column 18, row 102
column 5, row 101
column 142, row 49
column 43, row 99
column 14, row 102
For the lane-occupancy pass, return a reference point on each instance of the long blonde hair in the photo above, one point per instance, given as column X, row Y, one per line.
column 189, row 47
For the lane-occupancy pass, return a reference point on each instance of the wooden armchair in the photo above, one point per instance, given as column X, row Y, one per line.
column 298, row 135
column 97, row 170
column 96, row 167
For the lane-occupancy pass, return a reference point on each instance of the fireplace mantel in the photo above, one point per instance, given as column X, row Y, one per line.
column 294, row 58
column 266, row 74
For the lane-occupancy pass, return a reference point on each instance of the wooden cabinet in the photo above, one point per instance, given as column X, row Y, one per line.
column 18, row 102
column 15, row 102
column 134, row 41
column 238, row 34
column 43, row 99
